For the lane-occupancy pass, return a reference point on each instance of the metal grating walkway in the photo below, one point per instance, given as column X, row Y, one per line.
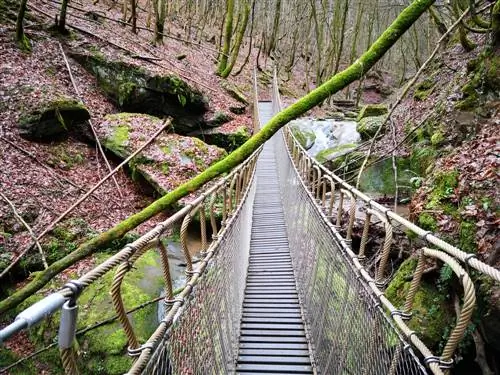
column 272, row 337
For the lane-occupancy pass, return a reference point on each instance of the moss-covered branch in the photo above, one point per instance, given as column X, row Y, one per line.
column 333, row 85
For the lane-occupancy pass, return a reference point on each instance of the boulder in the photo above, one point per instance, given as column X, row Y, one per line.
column 133, row 89
column 54, row 119
column 306, row 137
column 368, row 126
column 234, row 92
column 218, row 119
column 228, row 139
column 371, row 110
column 334, row 152
column 169, row 161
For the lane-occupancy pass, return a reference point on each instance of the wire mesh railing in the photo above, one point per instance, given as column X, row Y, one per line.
column 353, row 327
column 198, row 331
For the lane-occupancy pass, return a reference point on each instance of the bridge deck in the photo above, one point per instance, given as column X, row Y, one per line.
column 272, row 336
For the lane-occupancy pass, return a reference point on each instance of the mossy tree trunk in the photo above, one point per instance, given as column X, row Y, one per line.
column 339, row 81
column 228, row 31
column 133, row 8
column 276, row 23
column 61, row 25
column 245, row 9
column 21, row 39
column 160, row 10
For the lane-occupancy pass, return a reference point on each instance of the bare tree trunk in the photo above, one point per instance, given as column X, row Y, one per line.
column 22, row 41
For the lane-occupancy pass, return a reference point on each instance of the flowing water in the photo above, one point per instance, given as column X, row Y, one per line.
column 328, row 133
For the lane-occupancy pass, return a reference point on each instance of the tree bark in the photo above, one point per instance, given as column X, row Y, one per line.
column 228, row 30
column 21, row 39
column 495, row 26
column 359, row 68
column 61, row 26
column 239, row 38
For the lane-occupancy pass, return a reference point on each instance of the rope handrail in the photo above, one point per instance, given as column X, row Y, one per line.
column 232, row 190
column 314, row 176
column 467, row 258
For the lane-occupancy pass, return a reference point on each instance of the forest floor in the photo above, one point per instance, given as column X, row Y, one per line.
column 34, row 176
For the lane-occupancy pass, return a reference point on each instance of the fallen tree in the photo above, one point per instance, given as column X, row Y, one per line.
column 339, row 81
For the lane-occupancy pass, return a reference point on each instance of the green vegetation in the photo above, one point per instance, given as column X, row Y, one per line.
column 430, row 313
column 424, row 89
column 372, row 110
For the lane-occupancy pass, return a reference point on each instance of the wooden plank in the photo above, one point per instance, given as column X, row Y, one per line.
column 275, row 352
column 287, row 369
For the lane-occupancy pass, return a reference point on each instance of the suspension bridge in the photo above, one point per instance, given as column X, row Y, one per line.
column 279, row 289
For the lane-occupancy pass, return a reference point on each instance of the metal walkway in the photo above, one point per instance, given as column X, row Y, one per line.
column 272, row 337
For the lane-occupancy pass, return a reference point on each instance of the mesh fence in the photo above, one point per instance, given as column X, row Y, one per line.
column 204, row 338
column 348, row 330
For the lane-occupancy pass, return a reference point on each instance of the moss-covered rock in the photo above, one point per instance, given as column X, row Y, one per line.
column 368, row 126
column 228, row 139
column 379, row 177
column 483, row 84
column 54, row 119
column 134, row 89
column 234, row 92
column 430, row 313
column 334, row 152
column 170, row 160
column 305, row 137
column 424, row 89
column 218, row 119
column 371, row 110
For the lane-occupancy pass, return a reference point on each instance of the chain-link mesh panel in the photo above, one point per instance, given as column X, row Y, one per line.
column 348, row 330
column 204, row 338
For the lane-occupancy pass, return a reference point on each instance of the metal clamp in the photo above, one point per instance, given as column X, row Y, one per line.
column 402, row 314
column 442, row 364
column 137, row 351
column 170, row 302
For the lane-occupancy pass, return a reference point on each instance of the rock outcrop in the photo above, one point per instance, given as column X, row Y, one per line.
column 169, row 161
column 55, row 119
column 133, row 89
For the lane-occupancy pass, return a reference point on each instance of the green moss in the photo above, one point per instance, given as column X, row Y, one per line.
column 140, row 285
column 64, row 157
column 444, row 184
column 372, row 110
column 484, row 78
column 118, row 141
column 398, row 287
column 437, row 138
column 368, row 126
column 427, row 221
column 430, row 313
column 125, row 91
column 331, row 153
column 467, row 236
column 8, row 357
column 229, row 141
column 305, row 137
column 424, row 89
